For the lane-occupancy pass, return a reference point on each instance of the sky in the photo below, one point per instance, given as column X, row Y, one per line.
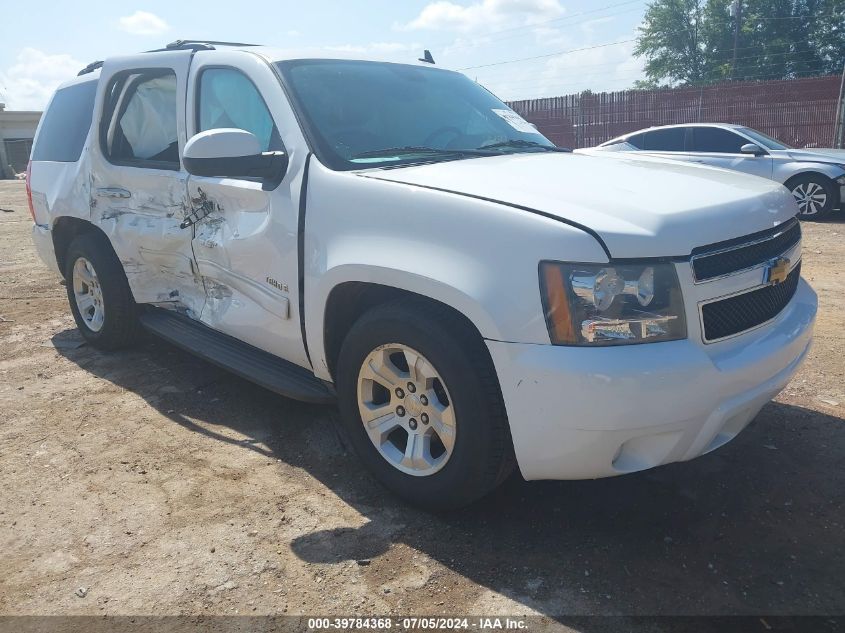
column 518, row 49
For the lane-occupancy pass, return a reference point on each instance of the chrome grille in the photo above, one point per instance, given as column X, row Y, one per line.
column 725, row 258
column 750, row 309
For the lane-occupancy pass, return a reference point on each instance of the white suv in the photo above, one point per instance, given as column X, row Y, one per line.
column 394, row 238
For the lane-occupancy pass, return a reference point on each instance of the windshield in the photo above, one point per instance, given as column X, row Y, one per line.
column 367, row 114
column 763, row 139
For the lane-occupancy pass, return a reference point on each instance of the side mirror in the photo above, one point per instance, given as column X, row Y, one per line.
column 232, row 153
column 752, row 148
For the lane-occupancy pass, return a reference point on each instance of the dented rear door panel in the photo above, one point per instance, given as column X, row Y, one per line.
column 142, row 208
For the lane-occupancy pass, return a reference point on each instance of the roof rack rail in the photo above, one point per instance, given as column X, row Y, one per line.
column 210, row 43
column 177, row 45
column 197, row 45
column 173, row 46
column 90, row 68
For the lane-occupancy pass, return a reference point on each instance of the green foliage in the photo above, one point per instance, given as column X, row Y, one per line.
column 692, row 41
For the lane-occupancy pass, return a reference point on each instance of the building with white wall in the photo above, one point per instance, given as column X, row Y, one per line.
column 17, row 129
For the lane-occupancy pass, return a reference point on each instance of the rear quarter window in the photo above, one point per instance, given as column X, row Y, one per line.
column 65, row 125
column 636, row 141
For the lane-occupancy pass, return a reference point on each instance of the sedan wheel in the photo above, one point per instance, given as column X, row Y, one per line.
column 811, row 198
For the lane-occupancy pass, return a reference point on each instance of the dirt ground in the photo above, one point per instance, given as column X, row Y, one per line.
column 149, row 482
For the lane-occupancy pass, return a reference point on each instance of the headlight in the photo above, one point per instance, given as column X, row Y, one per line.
column 606, row 304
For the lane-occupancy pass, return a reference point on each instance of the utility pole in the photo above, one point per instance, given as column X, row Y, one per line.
column 839, row 126
column 736, row 10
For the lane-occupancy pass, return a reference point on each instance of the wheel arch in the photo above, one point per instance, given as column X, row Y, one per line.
column 809, row 171
column 65, row 229
column 348, row 300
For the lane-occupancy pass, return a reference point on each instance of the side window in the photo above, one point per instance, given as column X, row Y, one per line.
column 636, row 140
column 66, row 124
column 714, row 139
column 227, row 98
column 667, row 140
column 142, row 128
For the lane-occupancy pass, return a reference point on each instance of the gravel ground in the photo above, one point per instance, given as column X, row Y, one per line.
column 148, row 481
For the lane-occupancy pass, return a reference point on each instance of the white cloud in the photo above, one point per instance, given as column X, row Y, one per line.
column 143, row 23
column 29, row 83
column 486, row 14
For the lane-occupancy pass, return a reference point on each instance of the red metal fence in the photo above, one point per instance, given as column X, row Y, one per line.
column 800, row 112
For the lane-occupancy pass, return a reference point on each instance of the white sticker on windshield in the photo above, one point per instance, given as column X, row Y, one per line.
column 516, row 121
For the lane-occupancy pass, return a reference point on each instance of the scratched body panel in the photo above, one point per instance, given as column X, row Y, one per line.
column 238, row 246
column 245, row 240
column 141, row 208
column 147, row 237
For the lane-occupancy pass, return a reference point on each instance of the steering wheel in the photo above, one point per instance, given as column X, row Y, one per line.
column 446, row 129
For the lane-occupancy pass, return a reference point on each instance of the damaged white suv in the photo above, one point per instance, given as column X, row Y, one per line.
column 394, row 238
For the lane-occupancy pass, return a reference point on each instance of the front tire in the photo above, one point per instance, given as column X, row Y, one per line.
column 816, row 196
column 99, row 295
column 421, row 404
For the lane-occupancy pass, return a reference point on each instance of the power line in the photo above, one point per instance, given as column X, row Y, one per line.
column 810, row 57
column 486, row 39
column 525, row 59
column 568, row 17
column 561, row 53
column 675, row 31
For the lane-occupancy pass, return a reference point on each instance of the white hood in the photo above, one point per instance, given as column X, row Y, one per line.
column 639, row 206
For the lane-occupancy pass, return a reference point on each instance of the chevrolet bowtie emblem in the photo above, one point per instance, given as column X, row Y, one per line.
column 777, row 271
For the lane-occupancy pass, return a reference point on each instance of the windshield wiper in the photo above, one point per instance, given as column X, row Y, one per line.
column 414, row 149
column 519, row 143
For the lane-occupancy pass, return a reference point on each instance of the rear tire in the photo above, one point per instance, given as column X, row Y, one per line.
column 99, row 294
column 449, row 381
column 815, row 194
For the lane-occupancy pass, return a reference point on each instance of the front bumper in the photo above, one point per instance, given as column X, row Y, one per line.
column 580, row 413
column 43, row 240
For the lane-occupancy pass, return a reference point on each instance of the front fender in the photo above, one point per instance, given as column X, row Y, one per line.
column 408, row 280
column 476, row 256
column 785, row 171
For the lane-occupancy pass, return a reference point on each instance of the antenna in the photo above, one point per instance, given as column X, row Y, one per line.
column 427, row 58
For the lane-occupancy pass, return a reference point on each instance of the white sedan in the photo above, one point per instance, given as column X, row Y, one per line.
column 816, row 177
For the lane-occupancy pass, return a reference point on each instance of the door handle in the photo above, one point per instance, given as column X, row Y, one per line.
column 113, row 192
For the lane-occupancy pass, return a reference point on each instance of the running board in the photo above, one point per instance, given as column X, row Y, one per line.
column 258, row 366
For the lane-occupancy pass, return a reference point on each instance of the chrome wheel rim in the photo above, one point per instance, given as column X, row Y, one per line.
column 811, row 198
column 406, row 409
column 88, row 294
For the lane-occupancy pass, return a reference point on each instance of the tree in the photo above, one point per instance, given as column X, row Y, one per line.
column 670, row 40
column 826, row 33
column 692, row 41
